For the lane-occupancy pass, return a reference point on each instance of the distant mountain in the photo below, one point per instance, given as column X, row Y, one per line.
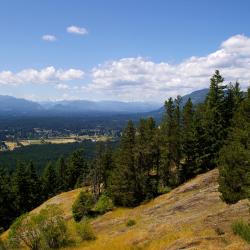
column 197, row 97
column 14, row 106
column 83, row 106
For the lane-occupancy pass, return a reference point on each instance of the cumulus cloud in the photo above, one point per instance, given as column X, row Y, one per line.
column 49, row 38
column 142, row 79
column 77, row 30
column 46, row 75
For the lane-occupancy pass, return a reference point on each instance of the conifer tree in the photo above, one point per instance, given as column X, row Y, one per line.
column 77, row 170
column 7, row 210
column 49, row 181
column 214, row 123
column 123, row 186
column 34, row 186
column 188, row 142
column 145, row 157
column 234, row 160
column 20, row 189
column 61, row 172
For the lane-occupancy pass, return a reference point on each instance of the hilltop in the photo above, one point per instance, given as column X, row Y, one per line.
column 191, row 216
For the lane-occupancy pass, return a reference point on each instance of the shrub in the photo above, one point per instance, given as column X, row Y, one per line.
column 38, row 231
column 25, row 231
column 82, row 206
column 2, row 245
column 85, row 231
column 104, row 204
column 242, row 229
column 54, row 230
column 130, row 223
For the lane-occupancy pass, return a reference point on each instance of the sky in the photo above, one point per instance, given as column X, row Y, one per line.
column 133, row 50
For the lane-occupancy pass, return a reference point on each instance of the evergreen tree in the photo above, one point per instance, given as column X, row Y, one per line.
column 21, row 189
column 234, row 180
column 214, row 123
column 123, row 186
column 146, row 151
column 171, row 151
column 77, row 170
column 7, row 210
column 101, row 168
column 61, row 172
column 188, row 169
column 167, row 127
column 49, row 181
column 34, row 186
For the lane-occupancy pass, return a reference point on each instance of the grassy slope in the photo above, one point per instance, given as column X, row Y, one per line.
column 189, row 217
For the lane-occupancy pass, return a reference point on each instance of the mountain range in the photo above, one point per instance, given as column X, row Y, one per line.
column 16, row 106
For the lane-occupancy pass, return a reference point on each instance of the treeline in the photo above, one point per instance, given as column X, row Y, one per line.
column 188, row 141
column 23, row 189
column 151, row 158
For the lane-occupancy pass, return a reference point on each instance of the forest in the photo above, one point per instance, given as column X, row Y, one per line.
column 151, row 158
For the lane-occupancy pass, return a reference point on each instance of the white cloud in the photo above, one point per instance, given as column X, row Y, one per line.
column 62, row 86
column 49, row 38
column 142, row 79
column 46, row 75
column 77, row 30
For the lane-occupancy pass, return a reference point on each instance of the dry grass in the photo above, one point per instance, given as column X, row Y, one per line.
column 189, row 217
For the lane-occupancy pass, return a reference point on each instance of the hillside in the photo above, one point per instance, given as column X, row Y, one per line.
column 191, row 216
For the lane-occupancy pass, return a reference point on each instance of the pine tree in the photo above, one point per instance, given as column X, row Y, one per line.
column 123, row 186
column 77, row 170
column 34, row 186
column 7, row 210
column 188, row 169
column 61, row 172
column 20, row 189
column 49, row 181
column 214, row 124
column 167, row 126
column 171, row 151
column 234, row 160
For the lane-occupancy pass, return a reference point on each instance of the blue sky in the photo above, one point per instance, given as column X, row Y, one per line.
column 123, row 50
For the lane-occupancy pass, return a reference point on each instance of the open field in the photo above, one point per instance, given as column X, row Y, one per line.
column 191, row 216
column 55, row 140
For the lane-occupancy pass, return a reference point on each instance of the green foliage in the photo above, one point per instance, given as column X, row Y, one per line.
column 49, row 180
column 130, row 223
column 7, row 208
column 123, row 183
column 25, row 231
column 2, row 245
column 234, row 160
column 77, row 169
column 104, row 204
column 85, row 231
column 242, row 229
column 53, row 227
column 164, row 189
column 46, row 230
column 82, row 206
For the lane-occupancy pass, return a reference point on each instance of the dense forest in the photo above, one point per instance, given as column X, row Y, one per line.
column 150, row 159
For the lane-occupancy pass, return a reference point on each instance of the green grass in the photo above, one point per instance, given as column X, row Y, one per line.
column 242, row 229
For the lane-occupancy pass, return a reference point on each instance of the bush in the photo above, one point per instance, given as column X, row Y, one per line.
column 104, row 204
column 130, row 223
column 82, row 206
column 46, row 230
column 25, row 231
column 2, row 245
column 242, row 229
column 54, row 230
column 85, row 231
